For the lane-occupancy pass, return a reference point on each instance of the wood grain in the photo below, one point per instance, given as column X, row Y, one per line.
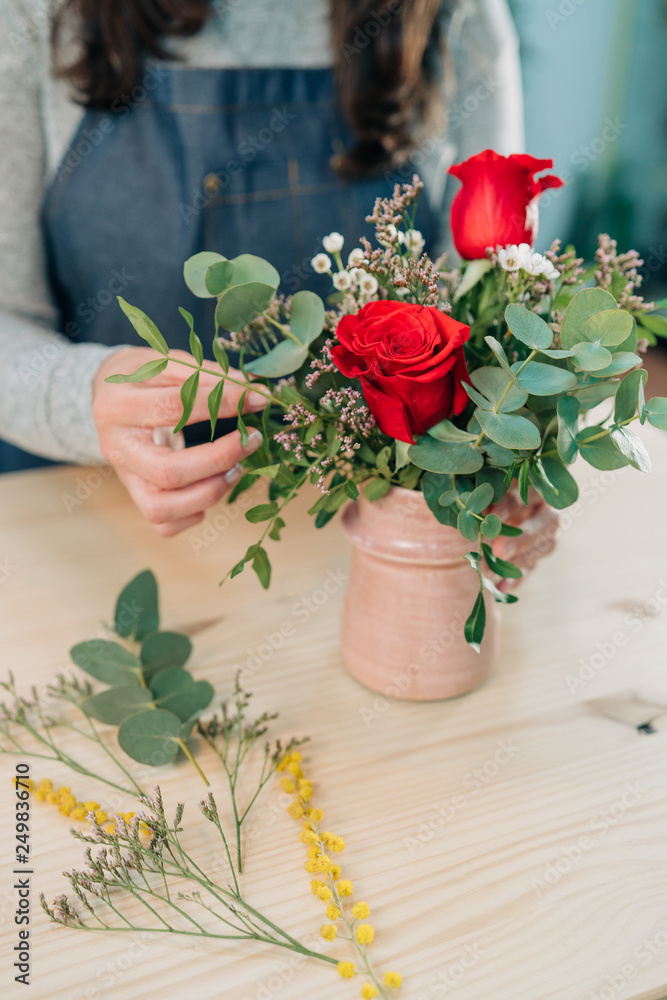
column 462, row 818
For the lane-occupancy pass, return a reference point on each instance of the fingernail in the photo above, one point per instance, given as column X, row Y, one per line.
column 234, row 475
column 254, row 441
column 257, row 399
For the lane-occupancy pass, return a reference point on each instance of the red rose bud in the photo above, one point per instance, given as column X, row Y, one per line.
column 409, row 360
column 497, row 204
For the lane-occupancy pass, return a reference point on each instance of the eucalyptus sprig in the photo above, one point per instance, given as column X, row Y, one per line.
column 152, row 699
column 232, row 738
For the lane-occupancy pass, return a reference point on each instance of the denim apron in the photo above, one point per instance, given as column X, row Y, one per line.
column 236, row 161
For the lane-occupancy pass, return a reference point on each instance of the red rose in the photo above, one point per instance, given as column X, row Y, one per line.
column 497, row 204
column 409, row 360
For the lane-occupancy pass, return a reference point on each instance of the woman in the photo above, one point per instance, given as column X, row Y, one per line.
column 138, row 132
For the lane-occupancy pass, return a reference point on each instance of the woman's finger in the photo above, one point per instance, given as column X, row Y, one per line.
column 164, row 506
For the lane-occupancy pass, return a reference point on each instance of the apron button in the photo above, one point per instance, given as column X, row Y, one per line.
column 212, row 183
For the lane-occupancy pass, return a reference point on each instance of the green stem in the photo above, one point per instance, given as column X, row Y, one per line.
column 254, row 386
column 182, row 744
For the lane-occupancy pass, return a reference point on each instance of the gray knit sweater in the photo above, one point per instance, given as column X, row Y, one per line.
column 45, row 380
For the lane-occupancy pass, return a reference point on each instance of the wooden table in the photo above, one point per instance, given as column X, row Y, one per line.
column 512, row 843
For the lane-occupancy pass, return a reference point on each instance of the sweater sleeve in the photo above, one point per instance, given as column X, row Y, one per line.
column 45, row 379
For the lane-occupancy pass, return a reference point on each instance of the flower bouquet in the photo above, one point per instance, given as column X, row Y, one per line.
column 464, row 385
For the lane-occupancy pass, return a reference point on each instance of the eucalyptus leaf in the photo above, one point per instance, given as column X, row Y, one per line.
column 117, row 703
column 499, row 456
column 376, row 489
column 495, row 478
column 610, row 327
column 630, row 396
column 568, row 427
column 144, row 326
column 528, row 327
column 544, row 380
column 583, row 305
column 442, row 457
column 219, row 276
column 176, row 691
column 480, row 498
column 591, row 357
column 591, row 395
column 194, row 272
column 447, row 431
column 557, row 486
column 621, row 362
column 656, row 412
column 509, row 430
column 151, row 737
column 162, row 651
column 249, row 268
column 493, row 384
column 306, row 317
column 600, row 452
column 240, row 304
column 468, row 525
column 632, row 447
column 491, row 526
column 433, row 487
column 284, row 359
column 136, row 613
column 107, row 661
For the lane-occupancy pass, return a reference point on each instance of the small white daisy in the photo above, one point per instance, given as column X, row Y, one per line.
column 342, row 281
column 368, row 284
column 321, row 263
column 333, row 242
column 355, row 257
column 413, row 242
column 509, row 258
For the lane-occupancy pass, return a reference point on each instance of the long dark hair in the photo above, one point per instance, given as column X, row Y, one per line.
column 385, row 54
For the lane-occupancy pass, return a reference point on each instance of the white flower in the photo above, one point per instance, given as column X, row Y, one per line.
column 342, row 281
column 355, row 257
column 413, row 242
column 321, row 263
column 401, row 291
column 549, row 270
column 509, row 258
column 368, row 284
column 333, row 243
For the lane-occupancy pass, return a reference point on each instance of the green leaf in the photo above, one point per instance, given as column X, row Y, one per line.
column 107, row 661
column 249, row 268
column 162, row 651
column 439, row 456
column 188, row 397
column 136, row 613
column 144, row 326
column 499, row 456
column 509, row 430
column 214, row 402
column 473, row 629
column 601, row 453
column 447, row 431
column 240, row 422
column 433, row 487
column 501, row 567
column 351, row 490
column 219, row 276
column 117, row 703
column 491, row 526
column 632, row 447
column 382, row 457
column 241, row 304
column 528, row 327
column 448, row 498
column 568, row 427
column 474, row 559
column 583, row 305
column 474, row 272
column 276, row 528
column 468, row 525
column 609, row 327
column 147, row 370
column 480, row 498
column 262, row 567
column 151, row 737
column 284, row 359
column 511, row 531
column 522, row 482
column 271, row 471
column 499, row 595
column 556, row 485
column 376, row 489
column 544, row 380
column 492, row 383
column 196, row 349
column 306, row 317
column 589, row 396
column 220, row 355
column 402, row 457
column 176, row 691
column 656, row 412
column 187, row 316
column 591, row 357
column 194, row 272
column 630, row 396
column 654, row 323
column 557, row 354
column 621, row 362
column 499, row 352
column 495, row 478
column 262, row 512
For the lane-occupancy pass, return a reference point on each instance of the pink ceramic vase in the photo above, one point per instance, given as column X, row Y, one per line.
column 409, row 594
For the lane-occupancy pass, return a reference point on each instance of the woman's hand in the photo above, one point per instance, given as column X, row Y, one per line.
column 173, row 489
column 539, row 523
